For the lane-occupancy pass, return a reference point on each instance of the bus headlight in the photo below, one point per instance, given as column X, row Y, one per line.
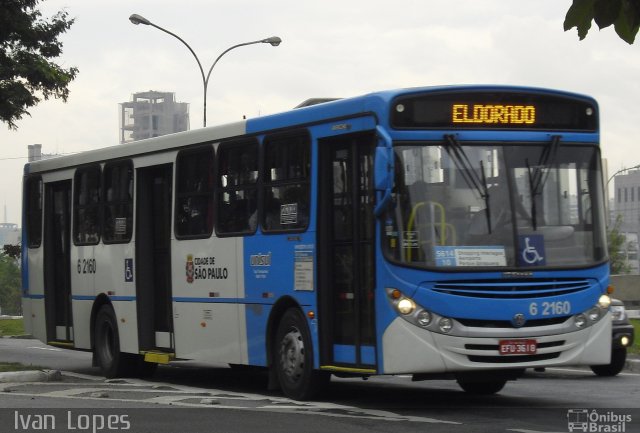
column 580, row 320
column 594, row 314
column 406, row 306
column 424, row 318
column 445, row 324
column 604, row 301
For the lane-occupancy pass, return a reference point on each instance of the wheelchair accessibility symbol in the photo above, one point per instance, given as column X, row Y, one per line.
column 531, row 250
column 128, row 270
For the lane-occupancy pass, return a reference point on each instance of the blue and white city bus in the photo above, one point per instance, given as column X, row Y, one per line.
column 440, row 232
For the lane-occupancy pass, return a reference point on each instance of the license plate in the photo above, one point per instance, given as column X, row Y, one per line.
column 518, row 347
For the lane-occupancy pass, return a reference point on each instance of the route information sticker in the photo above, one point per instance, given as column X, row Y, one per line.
column 470, row 256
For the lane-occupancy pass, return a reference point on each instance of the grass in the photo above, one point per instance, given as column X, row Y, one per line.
column 11, row 327
column 636, row 344
column 16, row 366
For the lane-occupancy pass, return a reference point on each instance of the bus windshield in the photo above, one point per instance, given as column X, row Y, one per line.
column 516, row 205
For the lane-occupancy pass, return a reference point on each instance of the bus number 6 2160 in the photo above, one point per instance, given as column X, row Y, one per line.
column 86, row 266
column 556, row 308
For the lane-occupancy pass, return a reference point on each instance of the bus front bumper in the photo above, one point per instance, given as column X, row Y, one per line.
column 409, row 349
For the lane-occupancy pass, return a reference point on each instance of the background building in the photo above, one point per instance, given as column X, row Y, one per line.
column 9, row 234
column 626, row 203
column 152, row 114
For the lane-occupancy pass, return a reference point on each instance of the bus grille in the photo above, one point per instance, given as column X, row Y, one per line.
column 479, row 323
column 512, row 289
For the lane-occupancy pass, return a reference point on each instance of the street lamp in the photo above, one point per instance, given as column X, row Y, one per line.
column 274, row 41
column 620, row 171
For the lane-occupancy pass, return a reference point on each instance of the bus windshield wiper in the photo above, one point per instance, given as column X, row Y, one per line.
column 470, row 176
column 537, row 177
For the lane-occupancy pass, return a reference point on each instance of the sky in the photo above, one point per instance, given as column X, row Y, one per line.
column 330, row 48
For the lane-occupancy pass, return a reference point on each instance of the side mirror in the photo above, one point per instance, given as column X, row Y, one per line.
column 384, row 170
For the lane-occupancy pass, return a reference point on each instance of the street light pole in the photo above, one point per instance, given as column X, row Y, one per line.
column 620, row 171
column 274, row 41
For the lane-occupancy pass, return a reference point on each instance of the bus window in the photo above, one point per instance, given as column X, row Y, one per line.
column 237, row 193
column 286, row 183
column 86, row 206
column 194, row 193
column 34, row 211
column 118, row 197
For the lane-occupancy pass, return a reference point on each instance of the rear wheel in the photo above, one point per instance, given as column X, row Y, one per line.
column 618, row 359
column 112, row 362
column 482, row 388
column 293, row 358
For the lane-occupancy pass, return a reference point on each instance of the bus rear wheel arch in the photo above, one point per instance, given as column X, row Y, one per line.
column 112, row 362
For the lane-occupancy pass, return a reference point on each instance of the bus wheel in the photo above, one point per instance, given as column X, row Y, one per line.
column 482, row 388
column 293, row 358
column 112, row 362
column 618, row 360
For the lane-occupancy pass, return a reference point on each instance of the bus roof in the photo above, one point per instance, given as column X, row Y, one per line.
column 312, row 111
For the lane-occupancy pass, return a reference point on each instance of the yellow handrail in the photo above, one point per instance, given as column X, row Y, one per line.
column 442, row 223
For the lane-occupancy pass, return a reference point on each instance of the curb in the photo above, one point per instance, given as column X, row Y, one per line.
column 632, row 365
column 31, row 376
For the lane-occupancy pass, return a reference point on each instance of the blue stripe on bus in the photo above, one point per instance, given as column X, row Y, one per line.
column 33, row 296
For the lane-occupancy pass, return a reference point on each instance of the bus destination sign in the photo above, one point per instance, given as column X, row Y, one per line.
column 493, row 114
column 482, row 109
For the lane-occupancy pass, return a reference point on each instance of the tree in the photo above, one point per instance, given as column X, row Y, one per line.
column 27, row 45
column 617, row 245
column 624, row 15
column 10, row 284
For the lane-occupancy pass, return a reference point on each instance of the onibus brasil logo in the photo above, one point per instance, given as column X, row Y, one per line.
column 586, row 420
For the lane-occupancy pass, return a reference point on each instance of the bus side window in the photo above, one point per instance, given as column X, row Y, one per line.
column 33, row 211
column 118, row 206
column 194, row 195
column 287, row 173
column 86, row 206
column 237, row 193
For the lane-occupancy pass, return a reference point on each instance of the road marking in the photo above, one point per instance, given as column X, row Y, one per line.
column 53, row 349
column 134, row 391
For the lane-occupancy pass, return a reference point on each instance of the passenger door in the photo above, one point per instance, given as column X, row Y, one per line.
column 57, row 263
column 153, row 257
column 346, row 239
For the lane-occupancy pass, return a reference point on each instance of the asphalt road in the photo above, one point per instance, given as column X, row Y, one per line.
column 191, row 398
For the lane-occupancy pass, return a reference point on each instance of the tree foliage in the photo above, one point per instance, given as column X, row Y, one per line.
column 617, row 245
column 624, row 15
column 10, row 284
column 27, row 46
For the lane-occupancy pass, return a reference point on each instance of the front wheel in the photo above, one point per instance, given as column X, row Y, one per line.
column 293, row 358
column 618, row 359
column 482, row 388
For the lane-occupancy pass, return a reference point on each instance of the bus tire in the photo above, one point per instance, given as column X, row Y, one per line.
column 293, row 358
column 618, row 360
column 482, row 388
column 111, row 361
